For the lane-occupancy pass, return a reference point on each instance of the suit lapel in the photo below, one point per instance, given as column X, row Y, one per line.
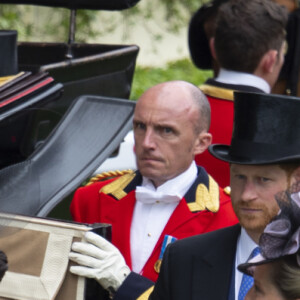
column 216, row 264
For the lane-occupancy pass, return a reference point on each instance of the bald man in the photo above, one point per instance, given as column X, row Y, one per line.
column 167, row 198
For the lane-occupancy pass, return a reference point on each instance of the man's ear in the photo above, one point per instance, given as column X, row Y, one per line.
column 212, row 48
column 202, row 142
column 295, row 177
column 268, row 61
column 215, row 64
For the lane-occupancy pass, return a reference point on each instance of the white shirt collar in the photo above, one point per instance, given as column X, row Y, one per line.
column 241, row 78
column 178, row 185
column 144, row 233
column 246, row 246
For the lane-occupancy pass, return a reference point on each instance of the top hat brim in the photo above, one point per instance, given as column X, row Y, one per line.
column 222, row 152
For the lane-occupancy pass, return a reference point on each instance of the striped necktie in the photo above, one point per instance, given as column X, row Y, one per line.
column 247, row 281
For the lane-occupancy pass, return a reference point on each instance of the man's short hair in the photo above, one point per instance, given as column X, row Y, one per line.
column 289, row 169
column 201, row 102
column 246, row 30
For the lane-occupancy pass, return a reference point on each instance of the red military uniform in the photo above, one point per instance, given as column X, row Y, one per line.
column 113, row 202
column 220, row 97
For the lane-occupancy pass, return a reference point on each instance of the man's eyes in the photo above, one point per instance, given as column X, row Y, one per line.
column 167, row 130
column 259, row 179
column 264, row 179
column 138, row 125
column 239, row 176
column 161, row 130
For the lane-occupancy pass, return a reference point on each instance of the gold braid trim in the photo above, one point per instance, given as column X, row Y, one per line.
column 109, row 174
column 206, row 199
column 116, row 187
column 217, row 92
column 146, row 294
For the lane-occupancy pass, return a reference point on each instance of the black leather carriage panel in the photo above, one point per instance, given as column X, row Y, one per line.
column 79, row 4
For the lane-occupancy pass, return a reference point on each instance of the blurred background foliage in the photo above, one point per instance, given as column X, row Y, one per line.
column 26, row 19
column 145, row 77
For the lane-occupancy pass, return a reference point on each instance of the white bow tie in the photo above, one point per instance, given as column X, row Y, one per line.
column 145, row 195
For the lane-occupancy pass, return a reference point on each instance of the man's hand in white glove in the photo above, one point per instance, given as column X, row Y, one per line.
column 100, row 260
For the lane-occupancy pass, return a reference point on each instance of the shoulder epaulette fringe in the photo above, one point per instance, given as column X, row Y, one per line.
column 217, row 92
column 206, row 199
column 116, row 187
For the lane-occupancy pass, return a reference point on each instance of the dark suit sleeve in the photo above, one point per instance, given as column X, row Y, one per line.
column 134, row 286
column 138, row 287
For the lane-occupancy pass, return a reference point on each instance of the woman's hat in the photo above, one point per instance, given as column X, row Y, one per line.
column 8, row 53
column 266, row 130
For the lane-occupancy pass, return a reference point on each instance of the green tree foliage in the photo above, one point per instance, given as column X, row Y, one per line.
column 145, row 77
column 38, row 23
column 52, row 24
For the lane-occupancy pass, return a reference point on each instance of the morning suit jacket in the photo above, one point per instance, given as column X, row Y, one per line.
column 220, row 97
column 113, row 202
column 198, row 267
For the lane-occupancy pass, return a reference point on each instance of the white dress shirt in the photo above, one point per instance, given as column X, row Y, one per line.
column 233, row 77
column 150, row 217
column 245, row 246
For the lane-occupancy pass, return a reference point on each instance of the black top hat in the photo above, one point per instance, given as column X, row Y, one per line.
column 197, row 40
column 266, row 130
column 8, row 53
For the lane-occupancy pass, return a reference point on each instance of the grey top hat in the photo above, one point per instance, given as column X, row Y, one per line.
column 8, row 53
column 266, row 130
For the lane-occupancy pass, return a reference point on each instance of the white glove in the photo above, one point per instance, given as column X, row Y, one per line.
column 100, row 260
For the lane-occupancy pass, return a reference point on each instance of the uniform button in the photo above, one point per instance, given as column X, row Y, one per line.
column 149, row 234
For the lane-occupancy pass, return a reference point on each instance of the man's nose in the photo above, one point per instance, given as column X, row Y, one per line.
column 249, row 191
column 149, row 139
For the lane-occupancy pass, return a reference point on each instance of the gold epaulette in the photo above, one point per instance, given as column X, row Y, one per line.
column 146, row 294
column 206, row 199
column 116, row 187
column 109, row 174
column 217, row 92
